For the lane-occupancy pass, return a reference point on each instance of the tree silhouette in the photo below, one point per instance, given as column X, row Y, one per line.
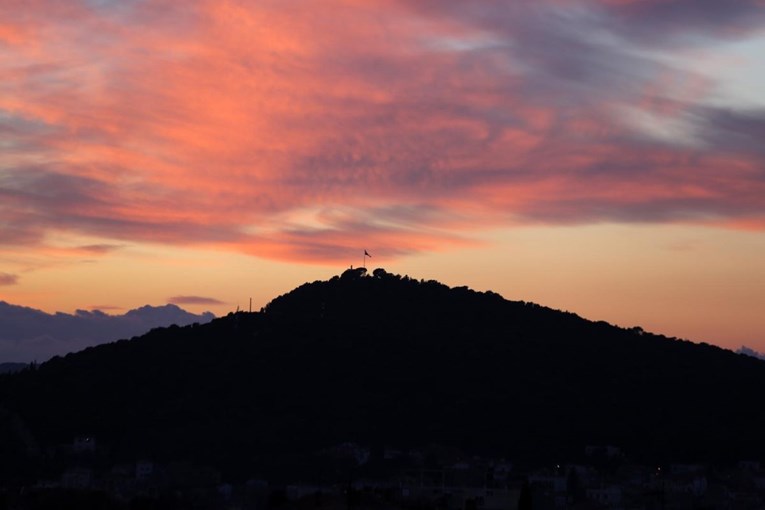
column 524, row 500
column 384, row 360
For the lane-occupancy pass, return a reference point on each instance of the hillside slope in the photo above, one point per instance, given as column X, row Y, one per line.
column 386, row 360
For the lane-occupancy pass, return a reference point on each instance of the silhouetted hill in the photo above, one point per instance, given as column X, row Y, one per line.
column 386, row 360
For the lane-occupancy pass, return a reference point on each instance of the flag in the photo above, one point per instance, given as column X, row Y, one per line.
column 366, row 254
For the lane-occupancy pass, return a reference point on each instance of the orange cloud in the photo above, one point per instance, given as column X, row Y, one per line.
column 220, row 124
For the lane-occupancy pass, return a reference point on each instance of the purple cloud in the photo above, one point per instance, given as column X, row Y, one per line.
column 750, row 352
column 8, row 279
column 27, row 334
column 99, row 249
column 459, row 115
column 194, row 300
column 659, row 19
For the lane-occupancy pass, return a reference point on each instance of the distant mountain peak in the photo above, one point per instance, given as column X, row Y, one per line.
column 27, row 334
column 750, row 352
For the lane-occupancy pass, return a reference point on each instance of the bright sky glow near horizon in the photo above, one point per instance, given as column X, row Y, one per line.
column 605, row 157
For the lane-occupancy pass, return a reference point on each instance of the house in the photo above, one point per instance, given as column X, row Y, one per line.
column 458, row 487
column 77, row 478
column 84, row 444
column 609, row 496
column 144, row 469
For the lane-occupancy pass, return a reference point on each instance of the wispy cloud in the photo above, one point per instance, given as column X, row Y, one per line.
column 8, row 279
column 247, row 126
column 194, row 300
column 105, row 308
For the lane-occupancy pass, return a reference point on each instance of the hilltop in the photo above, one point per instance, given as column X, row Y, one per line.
column 385, row 360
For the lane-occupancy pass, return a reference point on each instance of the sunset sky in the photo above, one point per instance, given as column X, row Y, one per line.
column 605, row 157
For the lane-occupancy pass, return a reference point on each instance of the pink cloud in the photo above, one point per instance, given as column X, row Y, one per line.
column 8, row 279
column 194, row 300
column 222, row 124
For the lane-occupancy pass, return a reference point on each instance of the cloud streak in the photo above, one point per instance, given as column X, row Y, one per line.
column 8, row 279
column 260, row 128
column 194, row 300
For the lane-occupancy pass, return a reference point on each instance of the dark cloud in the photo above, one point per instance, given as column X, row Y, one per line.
column 653, row 20
column 106, row 307
column 194, row 300
column 645, row 21
column 738, row 131
column 8, row 279
column 19, row 233
column 99, row 249
column 27, row 334
column 37, row 199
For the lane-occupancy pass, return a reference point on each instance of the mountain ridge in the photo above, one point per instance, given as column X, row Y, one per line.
column 28, row 334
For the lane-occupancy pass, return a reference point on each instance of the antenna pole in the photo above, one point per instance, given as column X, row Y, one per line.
column 250, row 305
